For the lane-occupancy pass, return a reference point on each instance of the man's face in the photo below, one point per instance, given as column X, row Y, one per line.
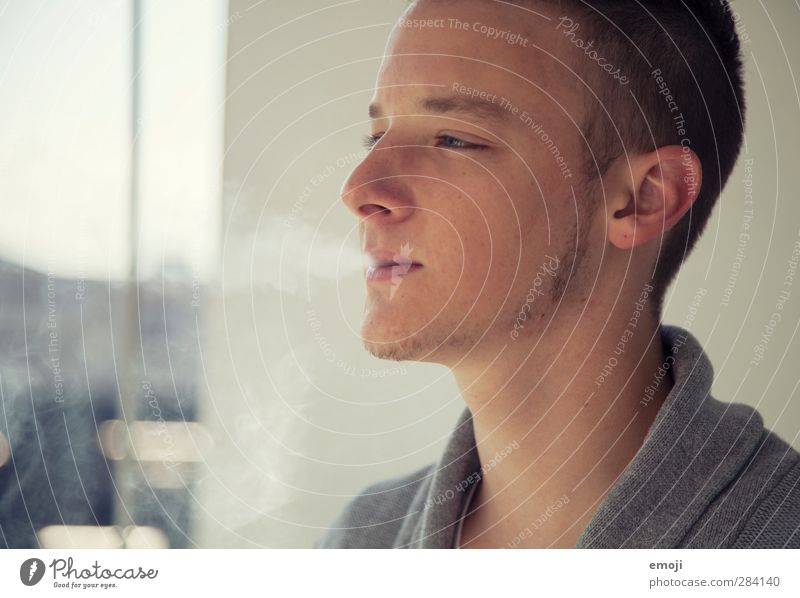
column 467, row 196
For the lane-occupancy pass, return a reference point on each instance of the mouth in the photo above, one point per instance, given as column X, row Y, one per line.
column 386, row 266
column 390, row 272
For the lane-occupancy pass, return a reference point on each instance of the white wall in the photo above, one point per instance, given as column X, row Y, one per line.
column 731, row 331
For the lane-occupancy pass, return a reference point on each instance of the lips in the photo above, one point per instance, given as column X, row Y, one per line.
column 393, row 273
column 381, row 257
column 387, row 256
column 386, row 265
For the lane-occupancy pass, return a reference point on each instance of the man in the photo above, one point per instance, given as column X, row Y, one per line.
column 538, row 171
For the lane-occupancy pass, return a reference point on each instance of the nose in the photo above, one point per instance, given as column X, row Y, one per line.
column 380, row 187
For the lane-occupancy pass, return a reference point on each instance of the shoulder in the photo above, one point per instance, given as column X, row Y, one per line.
column 375, row 517
column 760, row 508
column 774, row 478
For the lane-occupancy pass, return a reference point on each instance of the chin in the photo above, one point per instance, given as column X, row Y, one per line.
column 415, row 348
column 424, row 344
column 388, row 338
column 405, row 350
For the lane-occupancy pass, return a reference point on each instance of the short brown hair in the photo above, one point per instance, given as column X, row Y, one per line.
column 686, row 49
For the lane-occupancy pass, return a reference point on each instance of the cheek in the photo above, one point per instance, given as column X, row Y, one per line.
column 526, row 241
column 483, row 241
column 485, row 252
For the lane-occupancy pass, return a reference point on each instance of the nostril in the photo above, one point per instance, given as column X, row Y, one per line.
column 371, row 209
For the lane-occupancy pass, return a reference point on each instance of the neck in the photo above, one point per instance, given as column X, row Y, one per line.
column 557, row 416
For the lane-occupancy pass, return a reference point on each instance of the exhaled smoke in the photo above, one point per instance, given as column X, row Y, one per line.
column 290, row 259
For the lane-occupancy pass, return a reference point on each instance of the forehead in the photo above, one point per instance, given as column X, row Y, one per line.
column 497, row 47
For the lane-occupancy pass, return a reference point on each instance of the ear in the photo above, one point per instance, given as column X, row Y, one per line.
column 649, row 193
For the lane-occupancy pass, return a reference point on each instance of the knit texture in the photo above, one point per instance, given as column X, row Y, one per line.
column 708, row 475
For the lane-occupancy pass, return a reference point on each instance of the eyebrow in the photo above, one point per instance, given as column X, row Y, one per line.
column 455, row 104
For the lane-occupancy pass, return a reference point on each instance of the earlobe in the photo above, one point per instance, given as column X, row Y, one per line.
column 660, row 188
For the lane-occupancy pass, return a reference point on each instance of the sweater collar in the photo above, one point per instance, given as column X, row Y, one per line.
column 693, row 449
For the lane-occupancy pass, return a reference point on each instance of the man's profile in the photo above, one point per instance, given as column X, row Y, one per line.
column 538, row 171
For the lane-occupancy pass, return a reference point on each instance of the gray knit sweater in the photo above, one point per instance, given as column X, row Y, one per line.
column 708, row 475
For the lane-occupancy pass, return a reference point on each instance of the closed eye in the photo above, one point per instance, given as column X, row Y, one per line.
column 446, row 141
column 370, row 140
column 450, row 142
